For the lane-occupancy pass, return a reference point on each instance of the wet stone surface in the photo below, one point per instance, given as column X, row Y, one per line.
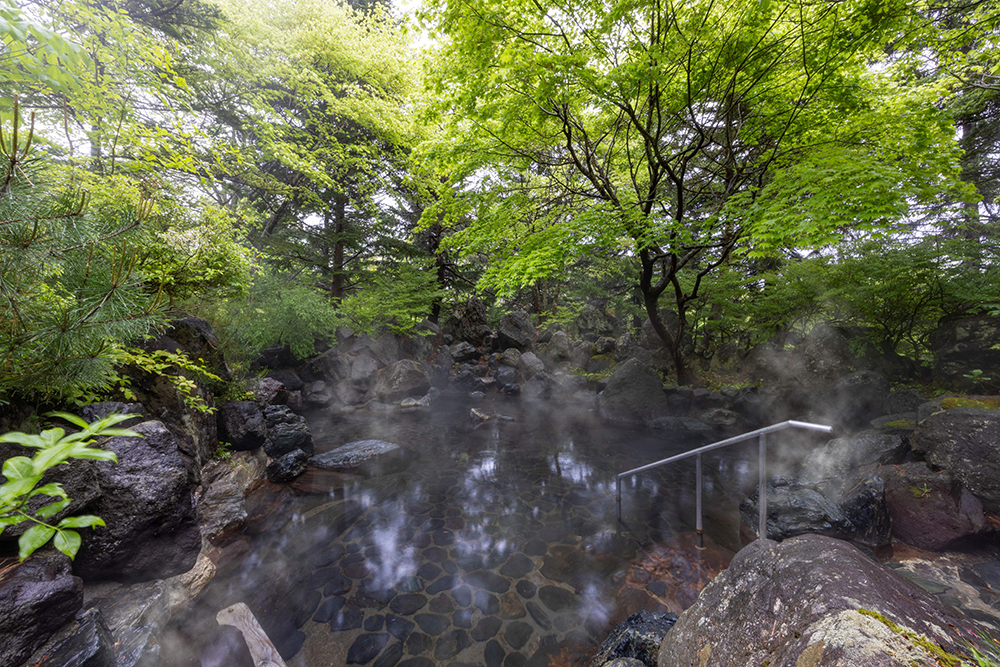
column 495, row 547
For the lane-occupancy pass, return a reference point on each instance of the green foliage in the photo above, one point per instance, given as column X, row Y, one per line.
column 685, row 134
column 199, row 257
column 276, row 310
column 984, row 649
column 32, row 56
column 395, row 298
column 69, row 293
column 23, row 475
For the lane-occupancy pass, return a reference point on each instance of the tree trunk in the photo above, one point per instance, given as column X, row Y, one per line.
column 339, row 227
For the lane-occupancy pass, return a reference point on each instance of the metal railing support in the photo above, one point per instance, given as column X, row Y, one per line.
column 760, row 434
column 699, row 529
column 762, row 486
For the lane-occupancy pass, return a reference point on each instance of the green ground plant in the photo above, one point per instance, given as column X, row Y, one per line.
column 23, row 474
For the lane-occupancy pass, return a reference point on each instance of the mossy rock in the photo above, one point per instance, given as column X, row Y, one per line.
column 984, row 402
column 900, row 423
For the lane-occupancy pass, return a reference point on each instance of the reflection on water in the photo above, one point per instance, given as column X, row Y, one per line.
column 490, row 546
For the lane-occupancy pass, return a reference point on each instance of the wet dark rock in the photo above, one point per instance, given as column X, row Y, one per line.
column 486, row 580
column 517, row 566
column 594, row 322
column 564, row 564
column 338, row 585
column 435, row 554
column 357, row 570
column 466, row 382
column 445, row 583
column 818, row 587
column 463, row 596
column 86, row 641
column 347, row 619
column 507, row 379
column 462, row 352
column 287, row 377
column 451, row 644
column 364, row 371
column 95, row 411
column 964, row 345
column 963, row 441
column 657, row 588
column 155, row 532
column 37, row 597
column 851, row 507
column 840, row 455
column 493, row 654
column 364, row 457
column 487, row 603
column 400, row 628
column 517, row 634
column 428, row 571
column 417, row 662
column 286, row 431
column 390, row 656
column 442, row 605
column 374, row 623
column 135, row 616
column 931, row 510
column 417, row 643
column 902, row 400
column 402, row 379
column 468, row 323
column 530, row 364
column 539, row 616
column 525, row 589
column 634, row 395
column 328, row 608
column 542, row 386
column 366, row 647
column 516, row 331
column 408, row 603
column 444, row 537
column 462, row 618
column 535, row 547
column 432, row 624
column 287, row 467
column 486, row 628
column 470, row 562
column 557, row 599
column 638, row 638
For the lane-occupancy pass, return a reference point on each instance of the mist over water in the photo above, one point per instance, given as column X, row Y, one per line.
column 473, row 541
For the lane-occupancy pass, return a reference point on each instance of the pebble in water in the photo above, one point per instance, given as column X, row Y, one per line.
column 493, row 654
column 526, row 589
column 408, row 604
column 486, row 628
column 432, row 624
column 400, row 628
column 462, row 618
column 328, row 609
column 366, row 647
column 451, row 644
column 462, row 596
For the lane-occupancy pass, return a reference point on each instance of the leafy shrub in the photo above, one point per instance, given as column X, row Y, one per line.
column 69, row 292
column 23, row 475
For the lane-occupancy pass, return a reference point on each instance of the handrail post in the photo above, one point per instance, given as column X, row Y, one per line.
column 618, row 495
column 697, row 501
column 762, row 489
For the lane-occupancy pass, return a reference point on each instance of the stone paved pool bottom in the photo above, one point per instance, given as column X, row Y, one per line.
column 493, row 546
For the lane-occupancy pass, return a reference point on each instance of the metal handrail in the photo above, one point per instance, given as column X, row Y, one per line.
column 760, row 434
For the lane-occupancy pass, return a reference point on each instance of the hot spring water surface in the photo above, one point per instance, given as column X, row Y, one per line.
column 495, row 545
